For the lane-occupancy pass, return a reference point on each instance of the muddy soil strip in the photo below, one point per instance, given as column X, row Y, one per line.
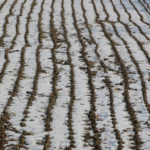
column 129, row 107
column 54, row 94
column 72, row 81
column 12, row 44
column 143, row 84
column 107, row 81
column 140, row 15
column 144, row 6
column 36, row 77
column 91, row 114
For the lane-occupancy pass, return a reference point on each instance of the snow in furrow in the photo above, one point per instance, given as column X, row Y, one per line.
column 123, row 123
column 3, row 13
column 82, row 104
column 59, row 133
column 25, row 84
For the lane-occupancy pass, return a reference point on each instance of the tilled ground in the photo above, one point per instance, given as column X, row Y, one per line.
column 74, row 74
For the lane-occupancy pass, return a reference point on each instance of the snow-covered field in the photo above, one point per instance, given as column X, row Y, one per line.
column 75, row 74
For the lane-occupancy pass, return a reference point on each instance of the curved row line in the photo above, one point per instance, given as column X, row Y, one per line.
column 5, row 116
column 54, row 94
column 143, row 84
column 3, row 36
column 129, row 107
column 91, row 114
column 107, row 80
column 36, row 76
column 3, row 4
column 72, row 80
column 144, row 6
column 148, row 5
column 140, row 15
column 13, row 43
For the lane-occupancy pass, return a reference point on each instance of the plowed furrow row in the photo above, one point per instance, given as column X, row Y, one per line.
column 107, row 80
column 12, row 43
column 139, row 70
column 63, row 85
column 134, row 17
column 140, row 90
column 35, row 121
column 5, row 116
column 3, row 4
column 6, row 23
column 91, row 113
column 140, row 15
column 4, row 20
column 134, row 23
column 82, row 97
column 131, row 34
column 20, row 76
column 33, row 93
column 126, row 83
column 143, row 84
column 144, row 76
column 147, row 4
column 74, row 75
column 54, row 94
column 117, row 90
column 72, row 80
column 142, row 4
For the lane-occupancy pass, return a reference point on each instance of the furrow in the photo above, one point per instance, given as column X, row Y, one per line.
column 31, row 99
column 144, row 6
column 82, row 96
column 5, row 116
column 143, row 84
column 123, row 124
column 134, row 23
column 72, row 81
column 107, row 80
column 6, row 23
column 148, row 5
column 131, row 34
column 91, row 113
column 4, row 14
column 63, row 86
column 35, row 122
column 20, row 76
column 129, row 107
column 3, row 4
column 12, row 44
column 74, row 75
column 19, row 102
column 54, row 94
column 140, row 15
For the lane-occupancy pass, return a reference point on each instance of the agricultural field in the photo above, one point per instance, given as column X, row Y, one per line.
column 74, row 74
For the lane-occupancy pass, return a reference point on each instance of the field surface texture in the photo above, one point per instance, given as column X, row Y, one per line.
column 74, row 74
